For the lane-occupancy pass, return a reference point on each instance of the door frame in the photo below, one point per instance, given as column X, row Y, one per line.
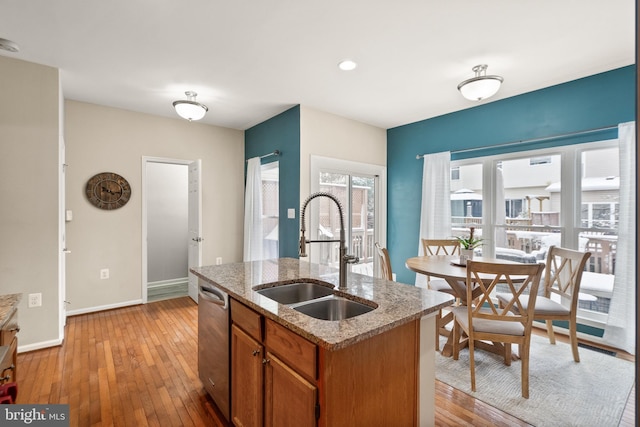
column 321, row 163
column 146, row 160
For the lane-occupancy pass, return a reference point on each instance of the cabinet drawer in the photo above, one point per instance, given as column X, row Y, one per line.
column 296, row 351
column 247, row 319
column 10, row 329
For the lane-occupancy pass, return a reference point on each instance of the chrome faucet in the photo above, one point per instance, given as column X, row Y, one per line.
column 344, row 258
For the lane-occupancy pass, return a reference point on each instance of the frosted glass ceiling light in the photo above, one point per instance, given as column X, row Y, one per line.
column 481, row 86
column 190, row 109
column 347, row 65
column 8, row 45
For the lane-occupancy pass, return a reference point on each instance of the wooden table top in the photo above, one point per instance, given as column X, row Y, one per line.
column 445, row 266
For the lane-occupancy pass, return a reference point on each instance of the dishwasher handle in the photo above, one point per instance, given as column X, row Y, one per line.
column 214, row 296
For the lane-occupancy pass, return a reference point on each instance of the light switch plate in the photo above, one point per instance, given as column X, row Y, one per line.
column 291, row 213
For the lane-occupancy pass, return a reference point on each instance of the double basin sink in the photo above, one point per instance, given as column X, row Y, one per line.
column 315, row 300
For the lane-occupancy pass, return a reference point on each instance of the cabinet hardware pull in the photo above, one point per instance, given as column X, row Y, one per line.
column 255, row 352
column 16, row 329
column 8, row 377
column 265, row 361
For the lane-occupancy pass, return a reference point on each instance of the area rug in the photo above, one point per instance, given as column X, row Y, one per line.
column 561, row 392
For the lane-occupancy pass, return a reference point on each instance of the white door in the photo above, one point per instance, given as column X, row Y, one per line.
column 195, row 224
column 62, row 280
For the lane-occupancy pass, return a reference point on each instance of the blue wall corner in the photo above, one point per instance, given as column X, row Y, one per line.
column 597, row 101
column 281, row 132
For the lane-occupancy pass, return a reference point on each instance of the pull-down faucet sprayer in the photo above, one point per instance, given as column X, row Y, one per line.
column 344, row 258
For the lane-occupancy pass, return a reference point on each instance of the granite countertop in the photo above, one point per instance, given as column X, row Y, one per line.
column 7, row 303
column 397, row 303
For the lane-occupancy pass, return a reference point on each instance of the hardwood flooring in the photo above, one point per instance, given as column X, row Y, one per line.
column 137, row 366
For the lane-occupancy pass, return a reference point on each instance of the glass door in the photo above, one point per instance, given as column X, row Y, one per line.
column 357, row 195
column 358, row 188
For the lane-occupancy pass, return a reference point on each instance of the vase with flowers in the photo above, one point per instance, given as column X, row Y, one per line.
column 467, row 246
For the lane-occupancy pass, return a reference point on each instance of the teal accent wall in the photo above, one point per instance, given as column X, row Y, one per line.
column 282, row 133
column 597, row 101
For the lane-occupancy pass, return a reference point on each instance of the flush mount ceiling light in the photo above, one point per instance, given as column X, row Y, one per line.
column 190, row 109
column 8, row 45
column 481, row 86
column 347, row 65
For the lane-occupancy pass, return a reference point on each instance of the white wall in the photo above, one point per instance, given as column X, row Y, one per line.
column 29, row 135
column 325, row 134
column 108, row 139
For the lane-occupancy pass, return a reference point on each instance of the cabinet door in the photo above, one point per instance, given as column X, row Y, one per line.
column 290, row 400
column 246, row 379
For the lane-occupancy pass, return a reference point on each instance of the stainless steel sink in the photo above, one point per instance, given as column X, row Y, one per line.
column 333, row 308
column 296, row 292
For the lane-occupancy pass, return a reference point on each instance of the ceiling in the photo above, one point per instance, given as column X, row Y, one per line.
column 249, row 60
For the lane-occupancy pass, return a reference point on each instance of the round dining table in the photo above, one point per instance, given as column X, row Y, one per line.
column 448, row 268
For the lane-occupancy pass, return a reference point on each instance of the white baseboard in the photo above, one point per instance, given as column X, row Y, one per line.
column 39, row 345
column 103, row 307
column 168, row 283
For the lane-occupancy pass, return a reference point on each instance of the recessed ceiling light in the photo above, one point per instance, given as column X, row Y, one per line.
column 347, row 65
column 8, row 45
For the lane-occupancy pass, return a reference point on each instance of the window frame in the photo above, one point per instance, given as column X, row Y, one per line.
column 571, row 172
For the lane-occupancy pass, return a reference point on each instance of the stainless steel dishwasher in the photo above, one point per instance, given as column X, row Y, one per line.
column 213, row 344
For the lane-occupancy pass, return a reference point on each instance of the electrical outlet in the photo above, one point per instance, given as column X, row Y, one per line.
column 104, row 273
column 35, row 300
column 219, row 260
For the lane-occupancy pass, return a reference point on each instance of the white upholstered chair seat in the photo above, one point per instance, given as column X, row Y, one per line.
column 544, row 306
column 490, row 326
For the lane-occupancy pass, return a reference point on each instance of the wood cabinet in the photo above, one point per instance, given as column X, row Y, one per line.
column 9, row 338
column 281, row 379
column 290, row 400
column 247, row 379
column 273, row 373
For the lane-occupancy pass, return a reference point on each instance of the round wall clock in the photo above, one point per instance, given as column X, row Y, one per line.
column 108, row 190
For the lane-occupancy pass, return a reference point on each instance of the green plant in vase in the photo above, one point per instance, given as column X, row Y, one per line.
column 467, row 245
column 470, row 242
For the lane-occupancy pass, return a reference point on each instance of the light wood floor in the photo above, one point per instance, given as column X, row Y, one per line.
column 137, row 366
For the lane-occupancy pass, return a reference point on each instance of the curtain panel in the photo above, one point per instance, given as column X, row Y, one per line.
column 620, row 331
column 253, row 212
column 435, row 216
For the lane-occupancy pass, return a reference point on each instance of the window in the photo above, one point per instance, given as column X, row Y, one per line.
column 564, row 196
column 361, row 191
column 466, row 199
column 539, row 160
column 455, row 174
column 270, row 208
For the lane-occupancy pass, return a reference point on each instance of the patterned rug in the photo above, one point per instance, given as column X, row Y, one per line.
column 561, row 392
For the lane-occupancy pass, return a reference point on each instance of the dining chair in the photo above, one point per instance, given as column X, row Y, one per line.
column 384, row 261
column 484, row 321
column 432, row 247
column 559, row 301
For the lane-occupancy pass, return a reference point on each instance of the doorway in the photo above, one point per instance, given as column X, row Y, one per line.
column 171, row 227
column 361, row 189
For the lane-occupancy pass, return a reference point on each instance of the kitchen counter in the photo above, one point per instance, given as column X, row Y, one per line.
column 397, row 303
column 8, row 303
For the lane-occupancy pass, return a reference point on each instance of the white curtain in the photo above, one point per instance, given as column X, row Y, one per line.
column 253, row 212
column 620, row 331
column 435, row 215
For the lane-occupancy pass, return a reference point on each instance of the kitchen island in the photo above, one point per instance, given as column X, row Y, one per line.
column 376, row 368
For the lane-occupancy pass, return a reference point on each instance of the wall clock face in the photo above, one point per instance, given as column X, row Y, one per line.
column 108, row 191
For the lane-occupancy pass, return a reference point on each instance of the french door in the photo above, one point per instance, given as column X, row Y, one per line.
column 359, row 188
